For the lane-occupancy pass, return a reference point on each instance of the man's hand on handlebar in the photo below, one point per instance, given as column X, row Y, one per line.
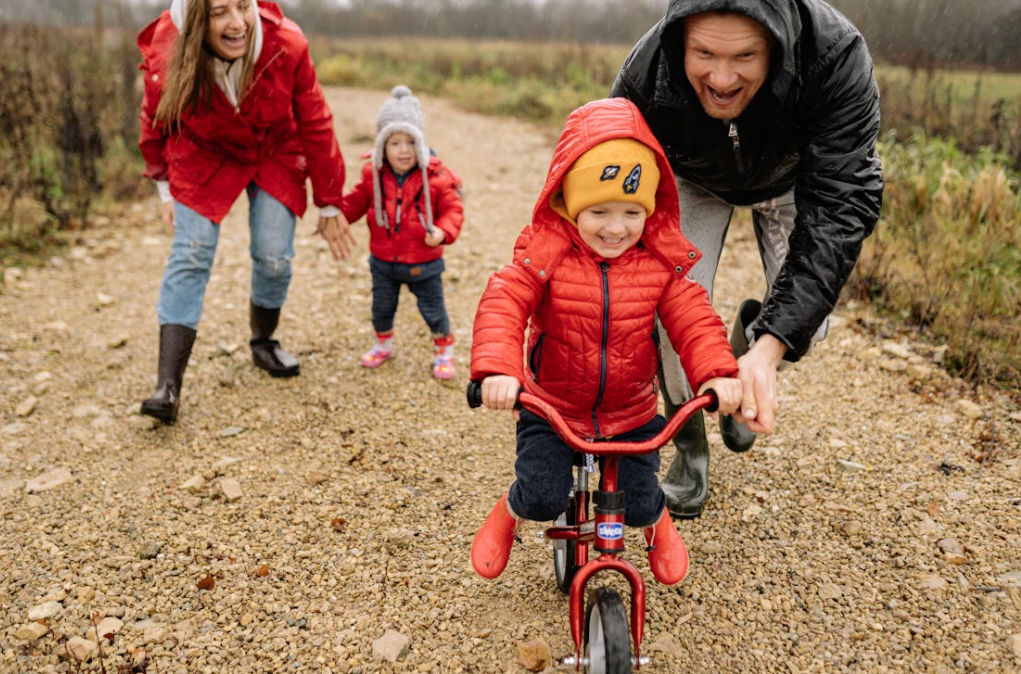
column 500, row 392
column 728, row 393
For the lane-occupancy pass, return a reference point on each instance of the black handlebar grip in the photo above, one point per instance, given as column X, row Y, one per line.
column 474, row 394
column 715, row 404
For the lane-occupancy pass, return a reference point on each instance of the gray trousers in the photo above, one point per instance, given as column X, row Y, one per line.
column 705, row 220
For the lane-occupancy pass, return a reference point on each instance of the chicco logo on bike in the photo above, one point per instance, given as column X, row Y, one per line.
column 611, row 531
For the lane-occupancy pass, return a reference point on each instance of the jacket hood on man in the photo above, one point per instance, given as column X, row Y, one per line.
column 780, row 17
column 810, row 130
column 586, row 127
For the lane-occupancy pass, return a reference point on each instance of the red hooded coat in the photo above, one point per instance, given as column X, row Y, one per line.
column 404, row 240
column 591, row 321
column 281, row 133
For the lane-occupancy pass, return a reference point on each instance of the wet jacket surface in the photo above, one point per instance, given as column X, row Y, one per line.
column 404, row 240
column 590, row 322
column 812, row 127
column 280, row 134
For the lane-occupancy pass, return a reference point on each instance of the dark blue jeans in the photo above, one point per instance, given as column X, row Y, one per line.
column 545, row 475
column 425, row 282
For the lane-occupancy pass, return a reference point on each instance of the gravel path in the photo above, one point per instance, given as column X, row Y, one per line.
column 864, row 536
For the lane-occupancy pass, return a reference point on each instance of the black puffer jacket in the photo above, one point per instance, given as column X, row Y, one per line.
column 812, row 126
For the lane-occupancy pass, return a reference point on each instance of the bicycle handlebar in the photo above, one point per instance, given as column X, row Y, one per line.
column 707, row 401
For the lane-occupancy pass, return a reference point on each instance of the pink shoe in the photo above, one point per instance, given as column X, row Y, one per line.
column 443, row 357
column 443, row 368
column 376, row 356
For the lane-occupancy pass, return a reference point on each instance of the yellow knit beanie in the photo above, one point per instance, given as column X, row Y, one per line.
column 622, row 169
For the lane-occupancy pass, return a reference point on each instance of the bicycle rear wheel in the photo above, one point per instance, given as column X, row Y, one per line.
column 564, row 558
column 607, row 644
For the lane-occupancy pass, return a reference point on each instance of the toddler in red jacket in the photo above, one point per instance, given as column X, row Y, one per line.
column 602, row 258
column 413, row 208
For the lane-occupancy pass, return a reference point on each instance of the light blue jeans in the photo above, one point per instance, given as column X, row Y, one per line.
column 191, row 258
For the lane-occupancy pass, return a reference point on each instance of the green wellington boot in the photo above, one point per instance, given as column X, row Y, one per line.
column 736, row 436
column 686, row 484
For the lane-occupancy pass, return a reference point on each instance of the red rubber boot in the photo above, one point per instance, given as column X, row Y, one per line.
column 492, row 545
column 668, row 556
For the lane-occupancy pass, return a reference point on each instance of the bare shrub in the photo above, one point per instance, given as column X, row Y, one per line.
column 65, row 96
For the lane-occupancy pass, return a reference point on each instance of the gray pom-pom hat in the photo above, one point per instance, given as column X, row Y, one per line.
column 401, row 113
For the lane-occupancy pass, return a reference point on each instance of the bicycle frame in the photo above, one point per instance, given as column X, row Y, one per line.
column 607, row 534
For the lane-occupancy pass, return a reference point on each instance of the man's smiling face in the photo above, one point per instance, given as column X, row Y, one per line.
column 726, row 59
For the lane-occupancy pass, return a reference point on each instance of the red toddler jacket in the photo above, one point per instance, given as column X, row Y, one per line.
column 404, row 241
column 281, row 133
column 591, row 321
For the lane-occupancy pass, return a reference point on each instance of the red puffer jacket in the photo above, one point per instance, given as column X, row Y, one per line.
column 591, row 321
column 405, row 240
column 281, row 134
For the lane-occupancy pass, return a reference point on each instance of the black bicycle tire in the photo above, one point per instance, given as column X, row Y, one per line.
column 616, row 637
column 565, row 575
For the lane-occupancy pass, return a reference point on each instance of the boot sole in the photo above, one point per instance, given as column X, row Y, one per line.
column 164, row 415
column 736, row 437
column 283, row 374
column 685, row 515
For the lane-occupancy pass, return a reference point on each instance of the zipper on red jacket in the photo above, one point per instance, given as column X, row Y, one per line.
column 604, row 268
column 737, row 147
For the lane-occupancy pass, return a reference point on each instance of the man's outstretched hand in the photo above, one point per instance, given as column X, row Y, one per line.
column 757, row 372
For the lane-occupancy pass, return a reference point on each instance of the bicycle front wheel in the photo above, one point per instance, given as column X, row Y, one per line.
column 607, row 642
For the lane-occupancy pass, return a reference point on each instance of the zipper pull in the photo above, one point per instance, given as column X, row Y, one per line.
column 397, row 216
column 737, row 147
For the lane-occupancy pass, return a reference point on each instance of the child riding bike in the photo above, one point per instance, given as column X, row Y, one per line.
column 602, row 258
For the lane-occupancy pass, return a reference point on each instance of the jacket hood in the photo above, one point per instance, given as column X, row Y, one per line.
column 780, row 17
column 595, row 123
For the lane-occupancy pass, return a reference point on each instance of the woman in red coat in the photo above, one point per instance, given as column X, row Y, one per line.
column 232, row 105
column 603, row 257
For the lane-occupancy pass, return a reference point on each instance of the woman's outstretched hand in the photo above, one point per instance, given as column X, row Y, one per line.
column 337, row 232
column 167, row 215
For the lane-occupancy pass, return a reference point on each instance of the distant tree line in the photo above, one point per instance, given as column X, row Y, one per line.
column 917, row 33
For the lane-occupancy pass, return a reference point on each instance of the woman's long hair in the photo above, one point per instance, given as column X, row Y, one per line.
column 190, row 78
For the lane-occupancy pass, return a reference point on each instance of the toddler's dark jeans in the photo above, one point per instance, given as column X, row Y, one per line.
column 545, row 476
column 425, row 282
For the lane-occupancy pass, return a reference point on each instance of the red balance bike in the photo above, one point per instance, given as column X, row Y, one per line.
column 602, row 643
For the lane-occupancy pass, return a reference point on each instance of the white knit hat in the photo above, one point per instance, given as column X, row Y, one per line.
column 401, row 113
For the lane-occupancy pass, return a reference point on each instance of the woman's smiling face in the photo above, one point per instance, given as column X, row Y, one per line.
column 229, row 26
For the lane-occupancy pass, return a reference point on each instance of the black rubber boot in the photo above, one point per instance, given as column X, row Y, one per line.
column 266, row 351
column 175, row 349
column 736, row 436
column 686, row 484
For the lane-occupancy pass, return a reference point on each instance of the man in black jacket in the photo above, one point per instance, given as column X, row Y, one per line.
column 770, row 105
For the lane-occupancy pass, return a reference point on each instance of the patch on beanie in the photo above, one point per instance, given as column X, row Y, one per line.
column 609, row 173
column 633, row 179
